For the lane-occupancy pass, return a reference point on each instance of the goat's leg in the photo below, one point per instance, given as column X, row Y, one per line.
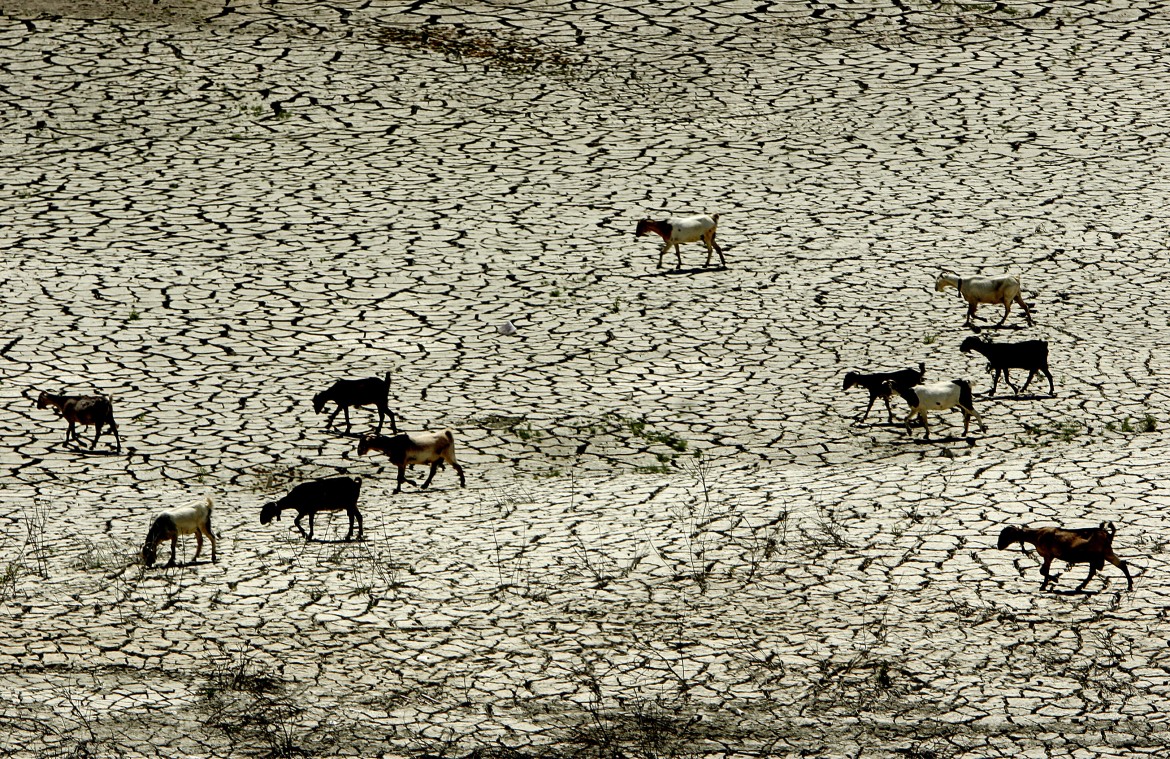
column 70, row 432
column 722, row 260
column 1093, row 567
column 1027, row 312
column 354, row 514
column 459, row 470
column 709, row 251
column 862, row 417
column 297, row 524
column 662, row 253
column 97, row 434
column 198, row 544
column 329, row 421
column 206, row 529
column 174, row 544
column 1007, row 307
column 978, row 418
column 117, row 438
column 971, row 308
column 1008, row 378
column 925, row 426
column 348, row 426
column 1044, row 571
column 678, row 254
column 1031, row 374
column 431, row 476
column 1048, row 374
column 1112, row 559
column 994, row 381
column 381, row 418
column 401, row 478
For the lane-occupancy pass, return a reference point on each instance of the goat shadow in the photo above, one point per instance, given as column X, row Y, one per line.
column 335, row 540
column 999, row 327
column 969, row 440
column 74, row 447
column 1030, row 397
column 681, row 272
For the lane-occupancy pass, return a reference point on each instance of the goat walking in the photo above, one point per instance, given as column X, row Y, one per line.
column 1002, row 357
column 680, row 229
column 1089, row 545
column 309, row 498
column 883, row 385
column 408, row 449
column 346, row 393
column 1003, row 289
column 95, row 410
column 940, row 396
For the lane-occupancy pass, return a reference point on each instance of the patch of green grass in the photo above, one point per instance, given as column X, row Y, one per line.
column 1053, row 432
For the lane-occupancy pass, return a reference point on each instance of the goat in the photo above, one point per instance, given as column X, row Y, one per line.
column 413, row 448
column 1091, row 545
column 1003, row 289
column 370, row 391
column 334, row 494
column 1029, row 354
column 96, row 410
column 882, row 384
column 680, row 229
column 169, row 525
column 939, row 396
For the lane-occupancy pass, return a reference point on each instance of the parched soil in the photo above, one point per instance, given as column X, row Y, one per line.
column 675, row 540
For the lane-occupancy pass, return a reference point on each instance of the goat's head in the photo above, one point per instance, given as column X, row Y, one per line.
column 850, row 380
column 149, row 551
column 944, row 280
column 268, row 512
column 1008, row 536
column 645, row 227
column 365, row 444
column 319, row 402
column 969, row 344
column 43, row 400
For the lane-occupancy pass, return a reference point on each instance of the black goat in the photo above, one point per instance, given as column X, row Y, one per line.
column 883, row 385
column 332, row 494
column 1029, row 354
column 370, row 391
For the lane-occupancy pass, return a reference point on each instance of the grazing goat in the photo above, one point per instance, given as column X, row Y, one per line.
column 939, row 396
column 1029, row 354
column 882, row 384
column 169, row 525
column 1091, row 545
column 333, row 494
column 1003, row 289
column 413, row 448
column 96, row 410
column 370, row 391
column 680, row 229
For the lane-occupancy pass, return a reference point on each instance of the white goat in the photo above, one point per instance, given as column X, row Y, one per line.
column 1003, row 289
column 680, row 229
column 939, row 396
column 170, row 524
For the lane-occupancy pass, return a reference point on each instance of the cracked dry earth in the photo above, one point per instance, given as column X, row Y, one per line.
column 210, row 211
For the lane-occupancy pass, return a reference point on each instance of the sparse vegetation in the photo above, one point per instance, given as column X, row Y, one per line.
column 509, row 53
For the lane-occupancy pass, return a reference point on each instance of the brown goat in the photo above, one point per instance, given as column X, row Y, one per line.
column 408, row 449
column 95, row 410
column 1089, row 545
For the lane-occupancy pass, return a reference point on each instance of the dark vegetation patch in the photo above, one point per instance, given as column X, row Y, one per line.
column 510, row 53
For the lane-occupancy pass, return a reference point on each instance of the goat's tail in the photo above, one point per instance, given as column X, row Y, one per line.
column 1110, row 528
column 389, row 374
column 715, row 218
column 209, row 503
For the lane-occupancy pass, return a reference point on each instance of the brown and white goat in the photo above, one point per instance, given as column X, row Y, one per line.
column 1089, row 545
column 95, row 410
column 408, row 449
column 308, row 498
column 170, row 524
column 680, row 229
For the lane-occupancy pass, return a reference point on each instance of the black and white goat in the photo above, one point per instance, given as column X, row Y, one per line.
column 309, row 498
column 1001, row 357
column 883, row 385
column 370, row 391
column 170, row 524
column 940, row 396
column 95, row 410
column 408, row 449
column 680, row 229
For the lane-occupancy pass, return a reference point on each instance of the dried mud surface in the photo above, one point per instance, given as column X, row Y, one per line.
column 212, row 210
